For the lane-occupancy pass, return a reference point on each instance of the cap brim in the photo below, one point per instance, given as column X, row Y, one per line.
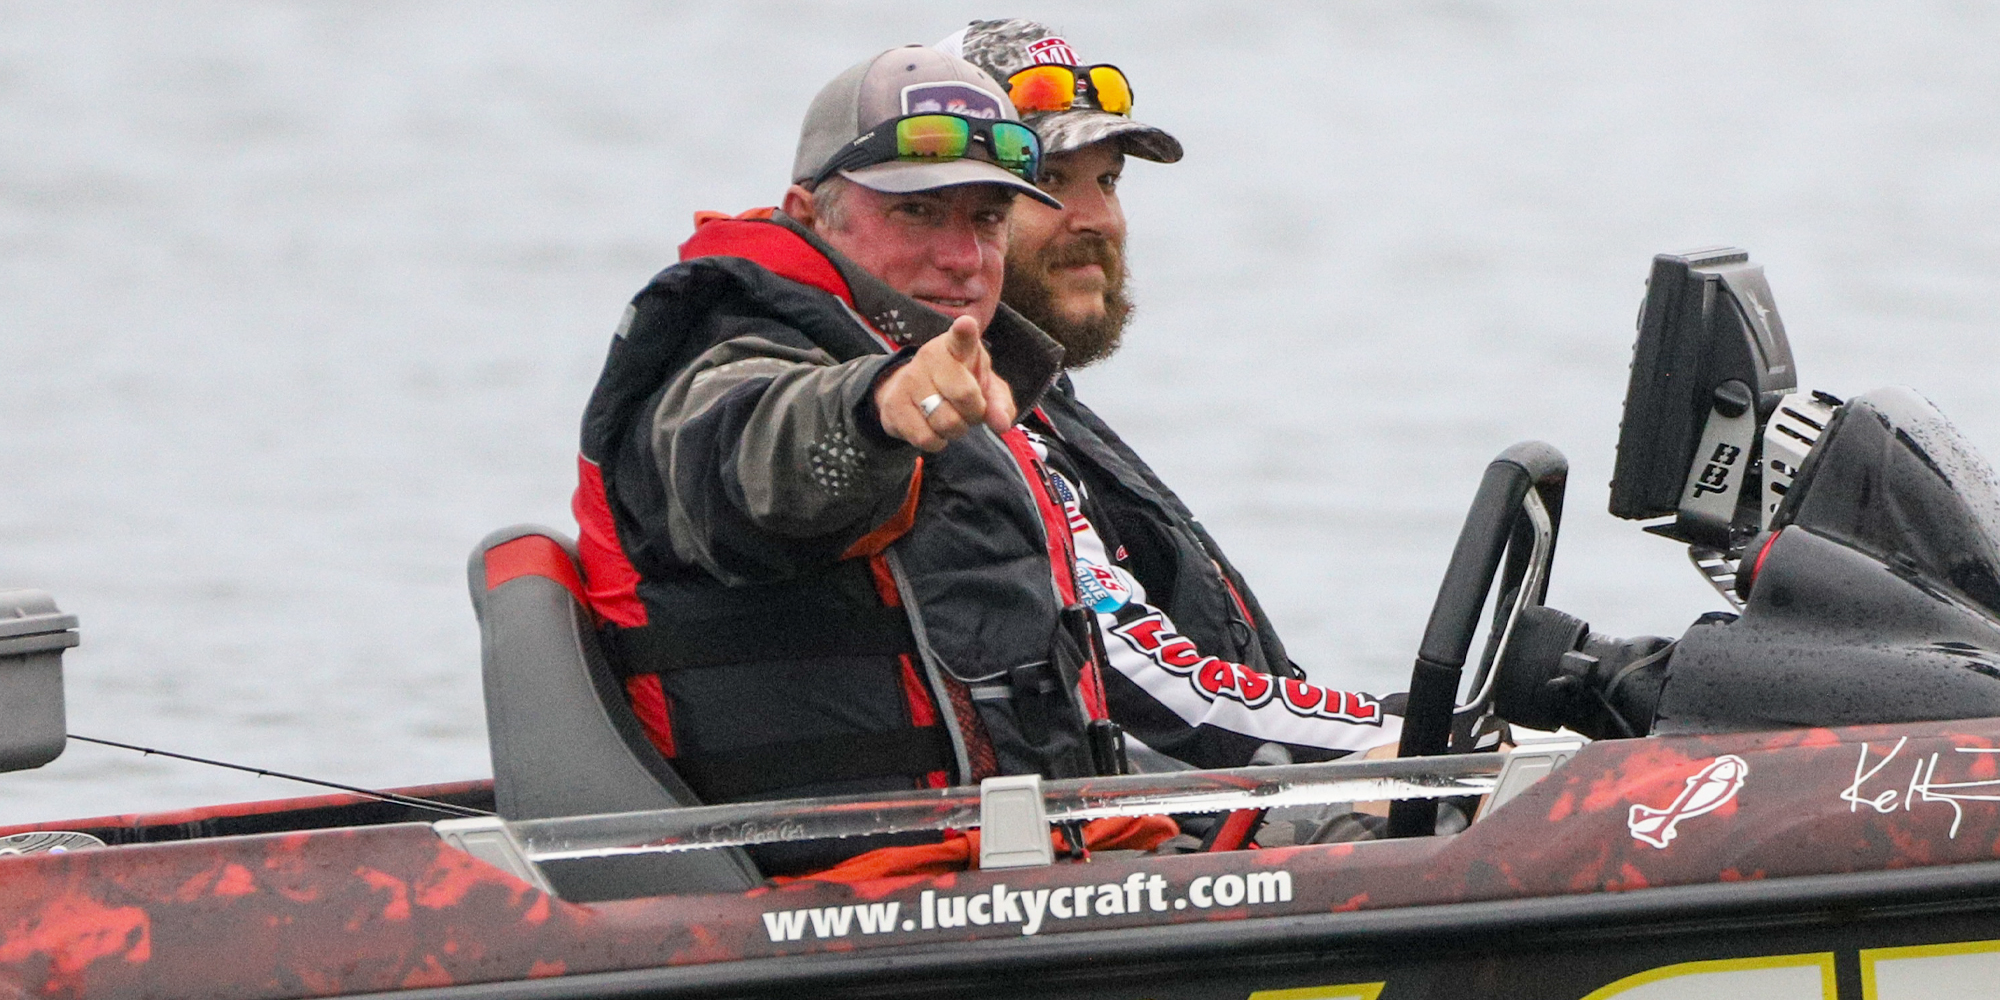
column 1068, row 131
column 907, row 178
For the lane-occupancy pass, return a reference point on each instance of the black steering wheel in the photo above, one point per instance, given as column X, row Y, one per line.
column 1513, row 519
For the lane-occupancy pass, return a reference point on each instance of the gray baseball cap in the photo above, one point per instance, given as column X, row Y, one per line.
column 1004, row 48
column 905, row 81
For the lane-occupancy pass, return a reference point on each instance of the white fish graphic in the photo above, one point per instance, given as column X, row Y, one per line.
column 1706, row 791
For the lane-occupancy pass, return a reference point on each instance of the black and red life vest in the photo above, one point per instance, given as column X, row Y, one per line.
column 935, row 650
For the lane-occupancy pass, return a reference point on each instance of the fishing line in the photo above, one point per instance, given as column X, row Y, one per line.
column 404, row 800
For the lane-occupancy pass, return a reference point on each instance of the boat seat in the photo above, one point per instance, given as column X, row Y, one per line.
column 563, row 739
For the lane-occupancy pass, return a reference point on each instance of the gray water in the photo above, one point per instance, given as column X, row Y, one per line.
column 298, row 300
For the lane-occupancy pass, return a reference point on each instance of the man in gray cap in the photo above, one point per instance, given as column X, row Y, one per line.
column 1066, row 272
column 823, row 553
column 826, row 555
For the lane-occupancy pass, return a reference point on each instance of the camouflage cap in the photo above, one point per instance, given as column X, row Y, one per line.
column 1004, row 48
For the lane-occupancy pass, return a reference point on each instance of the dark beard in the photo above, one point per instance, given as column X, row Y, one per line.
column 1028, row 290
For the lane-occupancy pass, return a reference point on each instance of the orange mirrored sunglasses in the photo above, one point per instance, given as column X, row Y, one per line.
column 1039, row 89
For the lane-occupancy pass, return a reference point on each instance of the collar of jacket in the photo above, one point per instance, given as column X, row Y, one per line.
column 1027, row 359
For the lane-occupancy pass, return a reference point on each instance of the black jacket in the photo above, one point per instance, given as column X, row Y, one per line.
column 812, row 631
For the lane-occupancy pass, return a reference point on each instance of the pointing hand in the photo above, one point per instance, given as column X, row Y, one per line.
column 945, row 390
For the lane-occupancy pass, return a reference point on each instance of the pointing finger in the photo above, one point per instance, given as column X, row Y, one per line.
column 963, row 341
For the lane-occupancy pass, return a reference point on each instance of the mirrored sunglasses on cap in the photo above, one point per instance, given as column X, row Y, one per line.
column 937, row 137
column 1040, row 89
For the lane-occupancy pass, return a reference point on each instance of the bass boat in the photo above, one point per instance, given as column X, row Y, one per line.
column 1797, row 798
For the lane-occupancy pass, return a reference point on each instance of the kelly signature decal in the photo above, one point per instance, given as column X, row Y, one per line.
column 1923, row 785
column 1706, row 791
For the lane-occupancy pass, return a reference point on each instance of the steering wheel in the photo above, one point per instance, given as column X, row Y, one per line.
column 1513, row 519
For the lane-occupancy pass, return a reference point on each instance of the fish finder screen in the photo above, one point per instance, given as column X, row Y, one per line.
column 1710, row 340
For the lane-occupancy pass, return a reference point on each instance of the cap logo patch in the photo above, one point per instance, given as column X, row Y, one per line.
column 1051, row 51
column 952, row 99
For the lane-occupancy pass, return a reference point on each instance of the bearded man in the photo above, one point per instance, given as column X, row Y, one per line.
column 1168, row 596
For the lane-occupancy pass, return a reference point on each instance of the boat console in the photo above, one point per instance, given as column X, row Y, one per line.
column 1857, row 541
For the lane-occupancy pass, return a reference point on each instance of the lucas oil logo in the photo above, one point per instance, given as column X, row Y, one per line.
column 1218, row 678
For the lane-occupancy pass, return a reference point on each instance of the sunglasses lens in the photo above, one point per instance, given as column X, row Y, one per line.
column 1016, row 148
column 932, row 137
column 1042, row 88
column 1114, row 94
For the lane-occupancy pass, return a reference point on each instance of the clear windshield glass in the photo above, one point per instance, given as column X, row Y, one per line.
column 748, row 823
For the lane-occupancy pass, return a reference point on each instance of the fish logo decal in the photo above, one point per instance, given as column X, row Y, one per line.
column 1706, row 791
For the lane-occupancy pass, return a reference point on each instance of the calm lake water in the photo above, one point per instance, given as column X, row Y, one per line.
column 298, row 300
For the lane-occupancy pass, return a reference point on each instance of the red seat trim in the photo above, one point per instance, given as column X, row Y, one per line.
column 532, row 555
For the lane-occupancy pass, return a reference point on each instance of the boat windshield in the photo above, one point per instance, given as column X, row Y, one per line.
column 1073, row 800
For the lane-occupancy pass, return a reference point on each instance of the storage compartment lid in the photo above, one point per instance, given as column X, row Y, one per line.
column 30, row 623
column 31, row 612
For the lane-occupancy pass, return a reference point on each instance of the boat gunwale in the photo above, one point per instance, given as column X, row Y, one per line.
column 1364, row 935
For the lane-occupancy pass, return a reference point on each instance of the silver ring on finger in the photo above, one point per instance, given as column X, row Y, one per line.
column 929, row 404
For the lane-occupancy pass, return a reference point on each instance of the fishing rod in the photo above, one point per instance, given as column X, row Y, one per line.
column 405, row 800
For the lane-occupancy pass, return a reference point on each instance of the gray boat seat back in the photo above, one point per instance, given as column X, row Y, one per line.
column 563, row 739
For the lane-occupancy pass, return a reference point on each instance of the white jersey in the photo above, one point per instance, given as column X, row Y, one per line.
column 1159, row 682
